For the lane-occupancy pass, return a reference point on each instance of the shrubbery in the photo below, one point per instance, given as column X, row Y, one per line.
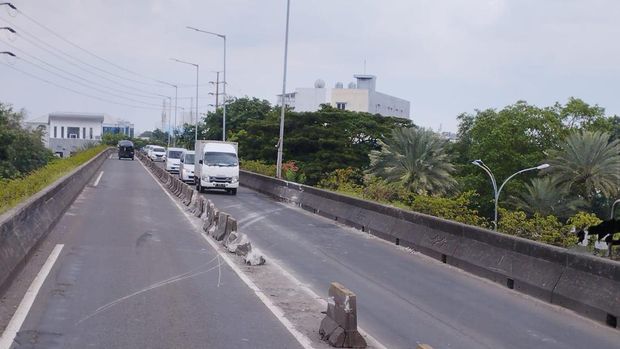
column 13, row 191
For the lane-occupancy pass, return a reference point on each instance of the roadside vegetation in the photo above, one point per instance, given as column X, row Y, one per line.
column 392, row 161
column 15, row 190
column 26, row 166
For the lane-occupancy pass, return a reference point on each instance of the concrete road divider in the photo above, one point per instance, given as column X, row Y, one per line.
column 214, row 222
column 220, row 233
column 188, row 193
column 586, row 284
column 238, row 243
column 219, row 225
column 199, row 205
column 254, row 257
column 25, row 225
column 339, row 327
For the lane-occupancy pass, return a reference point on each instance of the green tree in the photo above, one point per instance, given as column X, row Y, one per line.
column 577, row 114
column 21, row 150
column 417, row 159
column 588, row 163
column 544, row 196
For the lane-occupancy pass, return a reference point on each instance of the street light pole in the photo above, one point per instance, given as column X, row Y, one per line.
column 281, row 139
column 197, row 75
column 169, row 119
column 222, row 36
column 497, row 191
column 176, row 96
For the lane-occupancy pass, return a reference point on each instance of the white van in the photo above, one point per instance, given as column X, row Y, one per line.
column 218, row 166
column 157, row 153
column 186, row 166
column 173, row 157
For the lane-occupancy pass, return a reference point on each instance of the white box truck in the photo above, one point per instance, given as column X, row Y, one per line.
column 216, row 166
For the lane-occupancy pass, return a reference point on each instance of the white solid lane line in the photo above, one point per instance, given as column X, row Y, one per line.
column 31, row 294
column 98, row 179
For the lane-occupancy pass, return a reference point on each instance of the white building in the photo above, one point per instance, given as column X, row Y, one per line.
column 66, row 133
column 116, row 126
column 360, row 96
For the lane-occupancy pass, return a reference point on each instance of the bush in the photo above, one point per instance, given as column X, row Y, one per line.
column 546, row 229
column 21, row 150
column 457, row 209
column 14, row 191
column 259, row 167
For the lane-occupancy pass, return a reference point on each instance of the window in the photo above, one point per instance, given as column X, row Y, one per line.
column 62, row 132
column 73, row 132
column 91, row 133
column 55, row 132
column 83, row 132
column 341, row 105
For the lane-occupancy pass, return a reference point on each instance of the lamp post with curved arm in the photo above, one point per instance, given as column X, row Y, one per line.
column 497, row 190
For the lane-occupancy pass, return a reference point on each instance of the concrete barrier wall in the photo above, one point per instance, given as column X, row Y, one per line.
column 22, row 227
column 586, row 284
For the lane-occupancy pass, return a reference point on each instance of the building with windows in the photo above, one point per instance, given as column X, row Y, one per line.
column 67, row 133
column 360, row 96
column 116, row 126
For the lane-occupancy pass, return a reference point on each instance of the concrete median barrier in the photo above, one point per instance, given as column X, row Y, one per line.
column 213, row 222
column 189, row 193
column 200, row 205
column 339, row 327
column 579, row 282
column 220, row 232
column 25, row 225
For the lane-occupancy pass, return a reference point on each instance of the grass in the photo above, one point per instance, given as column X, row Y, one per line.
column 14, row 191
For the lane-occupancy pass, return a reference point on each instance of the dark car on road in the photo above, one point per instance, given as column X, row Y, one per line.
column 125, row 150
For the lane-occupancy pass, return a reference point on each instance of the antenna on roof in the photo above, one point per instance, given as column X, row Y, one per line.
column 364, row 66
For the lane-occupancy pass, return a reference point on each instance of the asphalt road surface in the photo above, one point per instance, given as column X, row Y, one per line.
column 134, row 273
column 406, row 298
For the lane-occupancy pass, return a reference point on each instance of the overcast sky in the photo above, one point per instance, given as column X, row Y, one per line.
column 446, row 57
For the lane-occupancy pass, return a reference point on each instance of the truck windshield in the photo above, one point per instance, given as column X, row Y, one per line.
column 189, row 159
column 172, row 154
column 221, row 159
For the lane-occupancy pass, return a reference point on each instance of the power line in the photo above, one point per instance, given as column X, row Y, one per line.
column 72, row 60
column 23, row 52
column 99, row 57
column 75, row 91
column 58, row 52
column 89, row 52
column 85, row 85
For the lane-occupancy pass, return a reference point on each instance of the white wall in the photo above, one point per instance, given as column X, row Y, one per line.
column 388, row 105
column 356, row 100
column 310, row 99
column 81, row 123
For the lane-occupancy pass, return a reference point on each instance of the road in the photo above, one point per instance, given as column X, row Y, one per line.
column 134, row 273
column 405, row 298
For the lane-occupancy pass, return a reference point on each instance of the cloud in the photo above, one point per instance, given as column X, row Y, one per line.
column 446, row 57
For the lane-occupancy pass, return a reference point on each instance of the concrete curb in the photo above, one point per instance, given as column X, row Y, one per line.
column 583, row 283
column 25, row 225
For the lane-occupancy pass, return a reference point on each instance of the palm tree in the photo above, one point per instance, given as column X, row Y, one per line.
column 545, row 197
column 416, row 158
column 588, row 163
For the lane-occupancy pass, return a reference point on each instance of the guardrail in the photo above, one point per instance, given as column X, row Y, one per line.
column 25, row 225
column 583, row 283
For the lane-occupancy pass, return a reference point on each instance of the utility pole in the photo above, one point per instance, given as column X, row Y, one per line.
column 281, row 139
column 163, row 115
column 217, row 90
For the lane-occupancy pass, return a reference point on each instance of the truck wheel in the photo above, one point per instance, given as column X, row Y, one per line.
column 233, row 191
